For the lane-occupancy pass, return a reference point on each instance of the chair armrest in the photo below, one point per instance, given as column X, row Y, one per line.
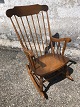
column 61, row 39
column 65, row 40
column 29, row 52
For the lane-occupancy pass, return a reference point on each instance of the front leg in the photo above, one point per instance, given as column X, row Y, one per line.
column 68, row 74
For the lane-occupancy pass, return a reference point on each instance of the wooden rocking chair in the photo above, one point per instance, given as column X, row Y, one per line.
column 31, row 24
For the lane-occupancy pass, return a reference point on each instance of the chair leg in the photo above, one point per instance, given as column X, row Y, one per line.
column 41, row 84
column 39, row 88
column 67, row 74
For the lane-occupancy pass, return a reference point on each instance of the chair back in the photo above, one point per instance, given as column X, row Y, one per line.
column 31, row 24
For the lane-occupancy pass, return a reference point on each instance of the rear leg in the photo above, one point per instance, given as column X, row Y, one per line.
column 68, row 74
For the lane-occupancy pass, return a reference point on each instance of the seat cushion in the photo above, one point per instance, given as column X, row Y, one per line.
column 50, row 63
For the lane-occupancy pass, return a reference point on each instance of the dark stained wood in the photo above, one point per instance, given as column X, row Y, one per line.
column 39, row 65
column 26, row 10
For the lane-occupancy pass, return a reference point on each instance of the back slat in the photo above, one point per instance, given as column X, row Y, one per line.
column 59, row 48
column 21, row 31
column 64, row 47
column 17, row 33
column 45, row 34
column 48, row 24
column 32, row 36
column 26, row 10
column 39, row 41
column 49, row 32
column 26, row 33
column 36, row 34
column 40, row 31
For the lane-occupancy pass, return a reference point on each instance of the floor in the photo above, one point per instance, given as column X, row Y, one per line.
column 17, row 89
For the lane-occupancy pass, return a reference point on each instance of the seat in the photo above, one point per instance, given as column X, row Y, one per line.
column 31, row 24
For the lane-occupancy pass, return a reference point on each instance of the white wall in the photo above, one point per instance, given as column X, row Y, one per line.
column 64, row 18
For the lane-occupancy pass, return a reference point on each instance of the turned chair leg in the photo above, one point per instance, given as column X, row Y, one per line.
column 41, row 84
column 68, row 74
column 39, row 88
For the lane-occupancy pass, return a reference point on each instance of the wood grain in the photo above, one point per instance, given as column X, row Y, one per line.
column 26, row 10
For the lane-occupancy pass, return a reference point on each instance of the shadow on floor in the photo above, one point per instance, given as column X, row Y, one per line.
column 58, row 78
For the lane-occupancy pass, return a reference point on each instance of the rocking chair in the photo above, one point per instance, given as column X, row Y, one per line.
column 31, row 24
